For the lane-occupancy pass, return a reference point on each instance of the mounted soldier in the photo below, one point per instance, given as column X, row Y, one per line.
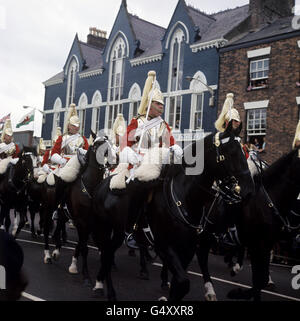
column 148, row 133
column 7, row 147
column 67, row 144
column 8, row 150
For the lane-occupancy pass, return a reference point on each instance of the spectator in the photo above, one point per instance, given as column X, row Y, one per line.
column 11, row 258
column 263, row 146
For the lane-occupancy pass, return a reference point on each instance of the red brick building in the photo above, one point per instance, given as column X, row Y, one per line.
column 262, row 68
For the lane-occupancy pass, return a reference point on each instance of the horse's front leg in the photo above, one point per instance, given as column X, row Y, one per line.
column 202, row 252
column 22, row 222
column 180, row 284
column 32, row 218
column 47, row 226
column 144, row 273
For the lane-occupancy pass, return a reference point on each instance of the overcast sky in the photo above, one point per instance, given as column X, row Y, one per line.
column 36, row 36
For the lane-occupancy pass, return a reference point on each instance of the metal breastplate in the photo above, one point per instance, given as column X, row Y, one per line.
column 71, row 147
column 154, row 137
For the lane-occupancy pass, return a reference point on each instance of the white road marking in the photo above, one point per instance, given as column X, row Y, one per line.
column 72, row 242
column 189, row 272
column 31, row 297
column 238, row 284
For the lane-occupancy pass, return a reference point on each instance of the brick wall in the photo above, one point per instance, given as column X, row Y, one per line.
column 282, row 111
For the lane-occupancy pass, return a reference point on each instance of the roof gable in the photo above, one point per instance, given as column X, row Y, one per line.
column 76, row 52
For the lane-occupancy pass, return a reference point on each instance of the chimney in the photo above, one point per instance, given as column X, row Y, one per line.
column 97, row 38
column 267, row 11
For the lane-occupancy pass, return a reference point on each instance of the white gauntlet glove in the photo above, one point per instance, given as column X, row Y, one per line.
column 46, row 169
column 177, row 150
column 57, row 159
column 129, row 156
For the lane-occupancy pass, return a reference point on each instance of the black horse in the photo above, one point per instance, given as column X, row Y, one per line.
column 79, row 200
column 13, row 188
column 264, row 215
column 173, row 212
column 259, row 219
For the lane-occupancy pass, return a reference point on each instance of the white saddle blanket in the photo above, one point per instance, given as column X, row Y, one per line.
column 148, row 170
column 4, row 163
column 68, row 173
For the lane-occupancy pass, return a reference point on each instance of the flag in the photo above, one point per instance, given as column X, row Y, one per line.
column 3, row 119
column 25, row 120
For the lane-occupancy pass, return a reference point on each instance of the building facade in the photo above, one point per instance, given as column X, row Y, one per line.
column 262, row 69
column 106, row 76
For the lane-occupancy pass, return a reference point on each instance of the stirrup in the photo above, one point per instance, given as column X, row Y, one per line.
column 131, row 242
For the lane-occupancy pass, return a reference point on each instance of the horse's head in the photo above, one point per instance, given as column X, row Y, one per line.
column 25, row 164
column 228, row 164
column 101, row 152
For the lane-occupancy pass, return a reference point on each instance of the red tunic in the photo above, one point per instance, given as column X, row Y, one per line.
column 46, row 157
column 57, row 146
column 17, row 151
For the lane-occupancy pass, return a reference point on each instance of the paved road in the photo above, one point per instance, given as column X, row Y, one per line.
column 54, row 283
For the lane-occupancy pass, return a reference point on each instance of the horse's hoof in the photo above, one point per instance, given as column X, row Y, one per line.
column 239, row 294
column 39, row 232
column 47, row 260
column 270, row 287
column 55, row 255
column 232, row 273
column 98, row 293
column 210, row 297
column 144, row 276
column 165, row 286
column 73, row 269
column 162, row 298
column 33, row 235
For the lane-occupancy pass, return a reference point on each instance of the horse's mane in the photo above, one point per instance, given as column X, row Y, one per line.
column 28, row 149
column 191, row 148
column 278, row 168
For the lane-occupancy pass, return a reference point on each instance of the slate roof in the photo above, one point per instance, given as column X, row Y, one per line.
column 278, row 27
column 222, row 23
column 148, row 34
column 92, row 56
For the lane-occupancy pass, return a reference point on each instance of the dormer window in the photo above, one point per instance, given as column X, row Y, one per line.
column 116, row 81
column 176, row 76
column 73, row 69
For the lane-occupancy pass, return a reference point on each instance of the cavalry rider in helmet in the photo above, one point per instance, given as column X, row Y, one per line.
column 146, row 133
column 8, row 150
column 227, row 115
column 67, row 144
column 118, row 131
column 148, row 129
column 7, row 147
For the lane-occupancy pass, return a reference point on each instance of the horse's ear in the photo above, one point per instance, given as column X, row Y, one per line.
column 238, row 130
column 93, row 135
column 228, row 130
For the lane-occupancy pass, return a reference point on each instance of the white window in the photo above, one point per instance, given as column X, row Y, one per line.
column 175, row 112
column 96, row 102
column 197, row 111
column 256, row 121
column 71, row 86
column 82, row 121
column 175, row 78
column 83, row 101
column 116, row 81
column 135, row 97
column 259, row 73
column 56, row 116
